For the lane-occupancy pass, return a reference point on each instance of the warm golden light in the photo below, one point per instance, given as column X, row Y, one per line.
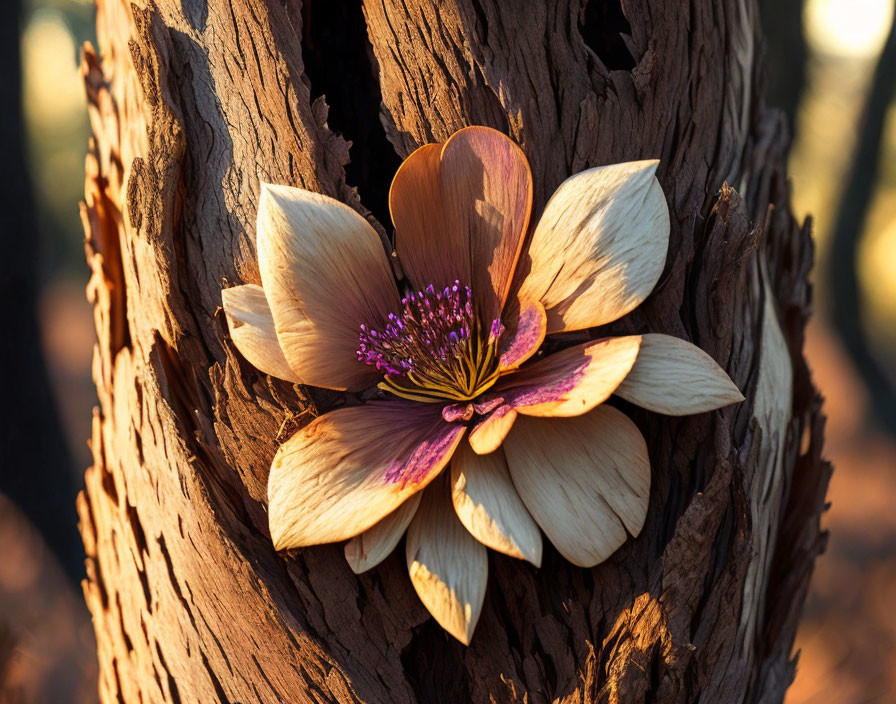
column 877, row 266
column 54, row 96
column 848, row 27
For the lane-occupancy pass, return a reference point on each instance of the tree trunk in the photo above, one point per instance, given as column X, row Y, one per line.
column 192, row 104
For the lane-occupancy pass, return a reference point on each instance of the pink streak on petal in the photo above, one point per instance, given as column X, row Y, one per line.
column 524, row 335
column 572, row 381
column 454, row 412
column 440, row 438
column 501, row 410
column 544, row 389
column 488, row 405
column 353, row 466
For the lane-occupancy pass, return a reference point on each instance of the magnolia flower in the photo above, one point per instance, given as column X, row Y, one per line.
column 456, row 354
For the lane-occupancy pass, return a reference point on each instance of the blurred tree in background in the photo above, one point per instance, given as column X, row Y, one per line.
column 852, row 220
column 38, row 476
column 46, row 648
column 57, row 127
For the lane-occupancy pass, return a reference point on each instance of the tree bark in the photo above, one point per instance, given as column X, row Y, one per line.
column 194, row 103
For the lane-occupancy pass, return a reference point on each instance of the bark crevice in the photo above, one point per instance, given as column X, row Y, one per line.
column 606, row 31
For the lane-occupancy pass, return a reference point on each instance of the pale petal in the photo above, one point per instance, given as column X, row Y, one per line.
column 490, row 432
column 447, row 565
column 352, row 467
column 585, row 480
column 461, row 211
column 674, row 377
column 371, row 547
column 600, row 246
column 490, row 508
column 252, row 330
column 526, row 324
column 572, row 381
column 324, row 273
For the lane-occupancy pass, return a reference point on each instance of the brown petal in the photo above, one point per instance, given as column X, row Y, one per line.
column 487, row 196
column 461, row 211
column 430, row 253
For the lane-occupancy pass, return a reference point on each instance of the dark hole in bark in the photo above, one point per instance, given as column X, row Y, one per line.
column 602, row 25
column 432, row 661
column 339, row 63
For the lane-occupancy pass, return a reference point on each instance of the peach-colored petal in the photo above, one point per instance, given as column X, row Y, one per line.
column 447, row 565
column 526, row 324
column 674, row 377
column 487, row 435
column 371, row 547
column 352, row 467
column 324, row 273
column 585, row 480
column 487, row 195
column 252, row 330
column 489, row 507
column 600, row 246
column 464, row 215
column 428, row 252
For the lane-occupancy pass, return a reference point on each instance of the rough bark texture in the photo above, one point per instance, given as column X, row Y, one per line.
column 193, row 104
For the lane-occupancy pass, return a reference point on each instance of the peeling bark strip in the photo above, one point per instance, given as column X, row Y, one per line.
column 192, row 103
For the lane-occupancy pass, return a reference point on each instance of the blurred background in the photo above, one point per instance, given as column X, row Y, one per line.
column 832, row 68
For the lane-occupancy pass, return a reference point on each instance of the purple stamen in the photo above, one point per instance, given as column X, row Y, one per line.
column 431, row 325
column 496, row 330
column 436, row 343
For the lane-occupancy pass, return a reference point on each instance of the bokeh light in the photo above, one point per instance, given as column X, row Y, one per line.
column 855, row 28
column 54, row 96
column 56, row 121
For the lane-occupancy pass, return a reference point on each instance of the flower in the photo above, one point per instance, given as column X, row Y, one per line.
column 457, row 353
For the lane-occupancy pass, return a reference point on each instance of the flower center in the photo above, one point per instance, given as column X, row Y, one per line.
column 435, row 348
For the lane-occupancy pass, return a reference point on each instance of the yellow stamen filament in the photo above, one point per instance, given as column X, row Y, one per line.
column 435, row 349
column 472, row 373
